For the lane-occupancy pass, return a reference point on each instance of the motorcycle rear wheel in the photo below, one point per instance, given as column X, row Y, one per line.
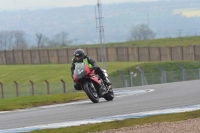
column 91, row 92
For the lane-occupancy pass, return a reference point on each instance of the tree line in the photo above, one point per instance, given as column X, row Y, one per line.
column 12, row 40
column 141, row 32
column 15, row 40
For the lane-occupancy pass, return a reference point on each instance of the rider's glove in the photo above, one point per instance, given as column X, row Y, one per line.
column 93, row 68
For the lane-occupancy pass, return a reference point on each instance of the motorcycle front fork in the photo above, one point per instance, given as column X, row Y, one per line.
column 108, row 88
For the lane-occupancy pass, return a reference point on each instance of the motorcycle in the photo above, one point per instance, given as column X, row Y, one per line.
column 91, row 83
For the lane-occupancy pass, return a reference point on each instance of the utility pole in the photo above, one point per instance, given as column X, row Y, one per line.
column 180, row 30
column 100, row 28
column 148, row 19
column 76, row 40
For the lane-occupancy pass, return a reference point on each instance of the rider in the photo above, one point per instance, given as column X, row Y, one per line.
column 79, row 56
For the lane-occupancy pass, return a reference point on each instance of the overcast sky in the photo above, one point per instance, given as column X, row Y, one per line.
column 30, row 4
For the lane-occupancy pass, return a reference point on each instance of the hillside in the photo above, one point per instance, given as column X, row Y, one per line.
column 162, row 42
column 167, row 18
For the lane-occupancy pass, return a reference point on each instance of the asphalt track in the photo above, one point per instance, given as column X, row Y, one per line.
column 127, row 101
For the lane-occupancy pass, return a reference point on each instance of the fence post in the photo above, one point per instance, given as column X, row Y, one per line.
column 17, row 92
column 64, row 88
column 183, row 72
column 199, row 70
column 199, row 73
column 132, row 74
column 48, row 92
column 32, row 87
column 5, row 57
column 131, row 78
column 122, row 77
column 163, row 75
column 2, row 93
column 143, row 79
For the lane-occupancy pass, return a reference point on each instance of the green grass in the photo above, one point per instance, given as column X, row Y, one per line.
column 151, row 67
column 37, row 73
column 22, row 74
column 161, row 42
column 125, row 123
column 153, row 74
column 34, row 101
column 53, row 73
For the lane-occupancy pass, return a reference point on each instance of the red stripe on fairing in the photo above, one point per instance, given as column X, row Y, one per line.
column 74, row 77
column 86, row 69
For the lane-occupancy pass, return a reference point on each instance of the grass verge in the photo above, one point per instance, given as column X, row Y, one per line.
column 125, row 123
column 35, row 101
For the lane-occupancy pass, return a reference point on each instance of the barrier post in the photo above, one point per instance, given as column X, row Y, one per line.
column 48, row 92
column 32, row 87
column 17, row 92
column 2, row 93
column 64, row 88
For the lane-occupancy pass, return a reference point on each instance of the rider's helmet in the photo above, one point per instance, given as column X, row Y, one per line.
column 79, row 54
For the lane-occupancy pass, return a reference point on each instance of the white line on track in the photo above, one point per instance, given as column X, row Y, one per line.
column 118, row 93
column 103, row 119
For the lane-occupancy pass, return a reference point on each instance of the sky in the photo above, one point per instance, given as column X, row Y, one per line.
column 40, row 4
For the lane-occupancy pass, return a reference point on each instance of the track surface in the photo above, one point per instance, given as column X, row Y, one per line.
column 126, row 101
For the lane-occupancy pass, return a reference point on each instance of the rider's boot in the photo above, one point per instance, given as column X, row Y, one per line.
column 106, row 81
column 103, row 91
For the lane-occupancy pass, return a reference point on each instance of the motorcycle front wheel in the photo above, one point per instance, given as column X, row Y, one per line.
column 110, row 95
column 91, row 92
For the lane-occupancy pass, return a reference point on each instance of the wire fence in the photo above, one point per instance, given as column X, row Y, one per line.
column 155, row 78
column 12, row 90
column 16, row 90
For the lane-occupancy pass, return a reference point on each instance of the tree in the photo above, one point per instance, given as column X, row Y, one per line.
column 19, row 40
column 61, row 39
column 39, row 39
column 45, row 42
column 6, row 40
column 12, row 40
column 141, row 32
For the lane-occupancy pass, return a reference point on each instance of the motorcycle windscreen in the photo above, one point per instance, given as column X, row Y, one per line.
column 79, row 71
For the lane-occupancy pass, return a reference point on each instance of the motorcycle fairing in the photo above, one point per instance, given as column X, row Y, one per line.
column 81, row 70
